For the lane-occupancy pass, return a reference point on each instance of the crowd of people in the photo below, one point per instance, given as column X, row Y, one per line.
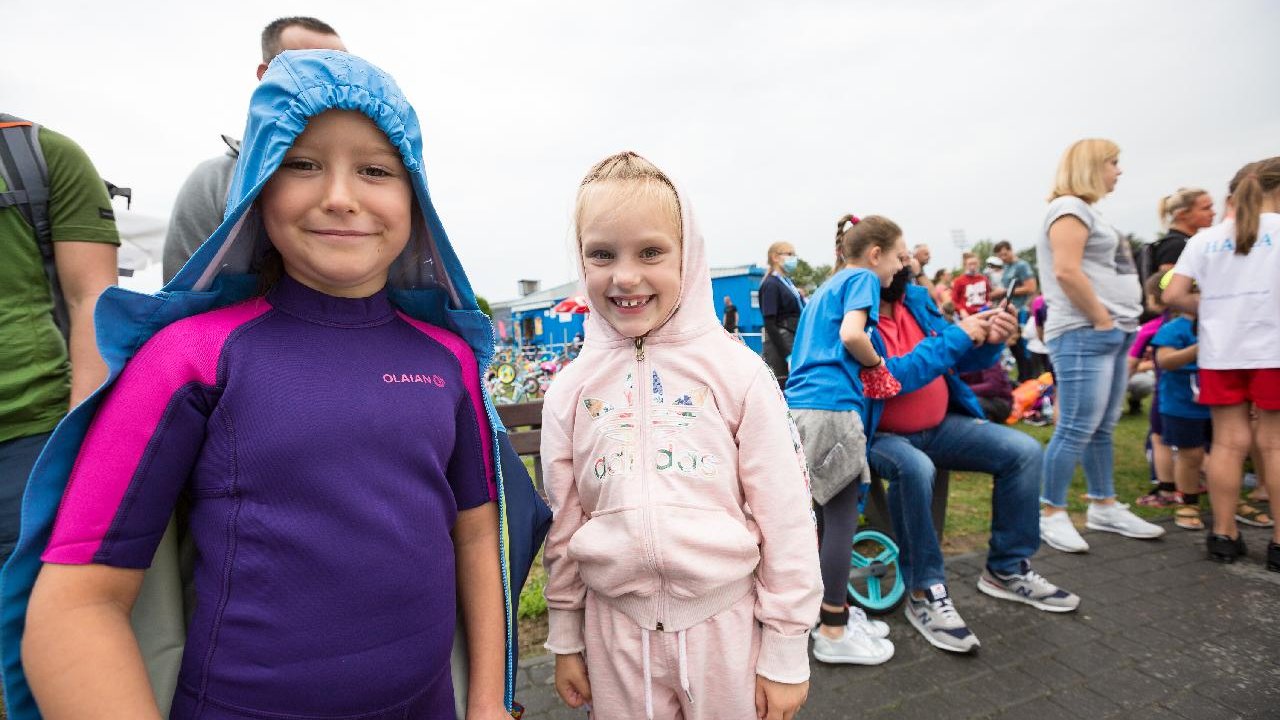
column 1207, row 353
column 302, row 408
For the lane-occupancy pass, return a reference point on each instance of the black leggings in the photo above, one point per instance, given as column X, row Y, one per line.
column 839, row 523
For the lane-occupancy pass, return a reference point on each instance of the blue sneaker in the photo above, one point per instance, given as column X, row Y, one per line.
column 937, row 620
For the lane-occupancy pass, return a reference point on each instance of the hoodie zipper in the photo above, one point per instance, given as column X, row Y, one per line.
column 644, row 388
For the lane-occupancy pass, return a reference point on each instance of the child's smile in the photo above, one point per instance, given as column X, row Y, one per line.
column 631, row 258
column 338, row 208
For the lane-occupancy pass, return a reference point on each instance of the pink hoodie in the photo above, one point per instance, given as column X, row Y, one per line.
column 678, row 482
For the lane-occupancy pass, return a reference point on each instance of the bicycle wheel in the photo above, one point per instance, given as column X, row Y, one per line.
column 875, row 584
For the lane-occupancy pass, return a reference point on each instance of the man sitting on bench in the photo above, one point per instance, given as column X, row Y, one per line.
column 936, row 421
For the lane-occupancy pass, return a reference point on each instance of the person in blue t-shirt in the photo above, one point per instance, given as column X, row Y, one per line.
column 834, row 369
column 1186, row 425
column 1019, row 282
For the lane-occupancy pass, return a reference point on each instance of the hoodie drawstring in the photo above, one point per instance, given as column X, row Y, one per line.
column 648, row 674
column 683, row 661
column 684, row 666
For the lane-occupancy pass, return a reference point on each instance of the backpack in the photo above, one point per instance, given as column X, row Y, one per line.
column 1146, row 261
column 26, row 174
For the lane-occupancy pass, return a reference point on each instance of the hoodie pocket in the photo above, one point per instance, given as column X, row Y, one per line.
column 703, row 549
column 611, row 556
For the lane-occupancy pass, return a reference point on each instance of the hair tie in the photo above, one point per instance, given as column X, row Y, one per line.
column 854, row 220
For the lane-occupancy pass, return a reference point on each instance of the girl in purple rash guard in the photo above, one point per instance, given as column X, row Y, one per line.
column 330, row 450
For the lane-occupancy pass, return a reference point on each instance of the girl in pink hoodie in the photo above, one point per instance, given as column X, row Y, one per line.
column 682, row 562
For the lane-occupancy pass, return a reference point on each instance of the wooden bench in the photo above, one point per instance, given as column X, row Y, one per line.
column 526, row 442
column 877, row 508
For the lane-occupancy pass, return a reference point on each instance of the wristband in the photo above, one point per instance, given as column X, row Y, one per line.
column 879, row 361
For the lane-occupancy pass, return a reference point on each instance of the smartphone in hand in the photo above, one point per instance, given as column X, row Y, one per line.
column 1008, row 293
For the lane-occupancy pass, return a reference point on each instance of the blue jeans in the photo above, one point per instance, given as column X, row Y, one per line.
column 1090, row 375
column 960, row 442
column 17, row 457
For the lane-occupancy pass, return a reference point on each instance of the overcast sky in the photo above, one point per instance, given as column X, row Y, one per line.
column 777, row 117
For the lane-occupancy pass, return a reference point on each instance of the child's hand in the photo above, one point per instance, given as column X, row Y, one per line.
column 878, row 383
column 571, row 680
column 779, row 701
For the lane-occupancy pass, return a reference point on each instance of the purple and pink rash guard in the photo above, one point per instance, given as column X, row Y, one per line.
column 324, row 447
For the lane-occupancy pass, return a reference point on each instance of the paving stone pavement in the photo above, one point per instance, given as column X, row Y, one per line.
column 1161, row 633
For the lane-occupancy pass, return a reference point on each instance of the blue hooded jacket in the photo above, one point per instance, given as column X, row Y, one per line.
column 946, row 350
column 426, row 282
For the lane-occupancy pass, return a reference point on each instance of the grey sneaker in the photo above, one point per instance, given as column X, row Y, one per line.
column 1028, row 587
column 937, row 620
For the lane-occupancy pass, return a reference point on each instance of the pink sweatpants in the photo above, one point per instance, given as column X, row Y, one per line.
column 704, row 673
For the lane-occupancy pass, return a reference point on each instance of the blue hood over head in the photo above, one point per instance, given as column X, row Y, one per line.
column 426, row 281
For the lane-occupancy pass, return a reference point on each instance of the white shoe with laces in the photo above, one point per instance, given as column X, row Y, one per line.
column 858, row 618
column 1059, row 533
column 1116, row 517
column 874, row 628
column 854, row 647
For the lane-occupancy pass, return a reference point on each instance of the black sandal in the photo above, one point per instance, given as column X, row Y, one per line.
column 1224, row 549
column 1273, row 557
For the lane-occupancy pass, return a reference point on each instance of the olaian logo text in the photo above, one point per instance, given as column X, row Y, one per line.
column 435, row 380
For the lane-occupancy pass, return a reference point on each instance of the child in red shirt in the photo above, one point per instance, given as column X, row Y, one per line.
column 970, row 291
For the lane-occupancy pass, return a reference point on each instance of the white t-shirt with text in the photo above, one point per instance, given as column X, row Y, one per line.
column 1239, row 296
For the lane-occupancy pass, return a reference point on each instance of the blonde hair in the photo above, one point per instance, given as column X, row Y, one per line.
column 1080, row 170
column 638, row 178
column 780, row 246
column 1247, row 189
column 1181, row 199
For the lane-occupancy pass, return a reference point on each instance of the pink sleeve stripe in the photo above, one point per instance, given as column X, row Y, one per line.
column 471, row 381
column 129, row 416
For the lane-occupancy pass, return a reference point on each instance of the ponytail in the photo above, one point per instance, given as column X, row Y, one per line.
column 862, row 234
column 849, row 220
column 1248, row 190
column 1180, row 200
column 1248, row 197
column 774, row 249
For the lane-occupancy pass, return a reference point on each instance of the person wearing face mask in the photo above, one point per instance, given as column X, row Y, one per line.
column 936, row 421
column 780, row 304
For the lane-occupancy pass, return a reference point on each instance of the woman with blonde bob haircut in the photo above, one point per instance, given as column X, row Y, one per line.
column 1082, row 171
column 1093, row 289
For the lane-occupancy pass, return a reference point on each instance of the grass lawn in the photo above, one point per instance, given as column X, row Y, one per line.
column 969, row 505
column 968, row 514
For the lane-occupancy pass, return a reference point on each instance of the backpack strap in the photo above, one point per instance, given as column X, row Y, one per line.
column 25, row 173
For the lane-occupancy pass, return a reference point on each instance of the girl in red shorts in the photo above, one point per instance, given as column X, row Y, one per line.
column 1236, row 266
